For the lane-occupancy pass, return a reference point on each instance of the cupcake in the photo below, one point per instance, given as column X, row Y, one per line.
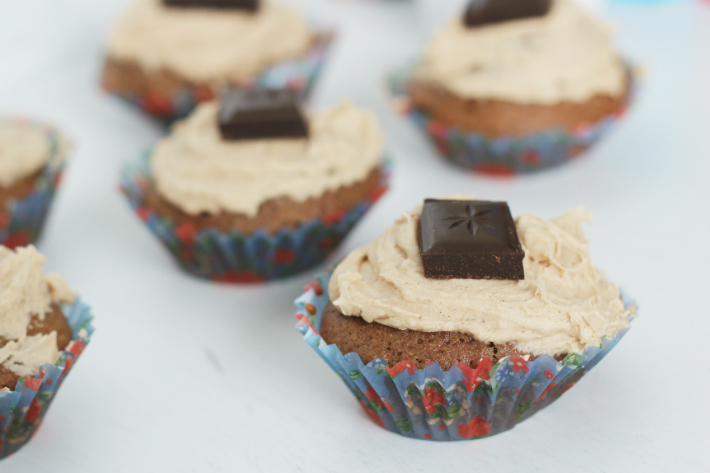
column 250, row 189
column 459, row 322
column 167, row 55
column 31, row 161
column 43, row 330
column 515, row 87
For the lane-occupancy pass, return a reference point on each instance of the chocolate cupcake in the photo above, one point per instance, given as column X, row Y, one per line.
column 43, row 330
column 166, row 56
column 32, row 158
column 462, row 322
column 254, row 190
column 511, row 89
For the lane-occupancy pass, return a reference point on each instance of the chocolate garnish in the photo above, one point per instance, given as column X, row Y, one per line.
column 483, row 12
column 250, row 5
column 469, row 239
column 261, row 113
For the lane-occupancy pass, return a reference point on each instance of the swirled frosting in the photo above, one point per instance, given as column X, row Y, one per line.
column 563, row 304
column 209, row 45
column 566, row 55
column 198, row 171
column 25, row 290
column 24, row 149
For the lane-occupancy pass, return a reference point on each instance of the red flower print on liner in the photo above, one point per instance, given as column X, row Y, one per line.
column 144, row 213
column 474, row 429
column 549, row 374
column 316, row 288
column 549, row 388
column 283, row 256
column 427, row 436
column 431, row 398
column 372, row 396
column 34, row 411
column 185, row 233
column 15, row 240
column 473, row 376
column 333, row 217
column 372, row 415
column 519, row 364
column 401, row 367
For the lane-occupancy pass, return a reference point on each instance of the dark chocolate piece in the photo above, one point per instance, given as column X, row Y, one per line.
column 250, row 5
column 483, row 12
column 469, row 239
column 261, row 113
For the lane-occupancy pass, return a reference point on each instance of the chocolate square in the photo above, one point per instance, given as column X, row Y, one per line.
column 250, row 5
column 483, row 12
column 261, row 113
column 469, row 239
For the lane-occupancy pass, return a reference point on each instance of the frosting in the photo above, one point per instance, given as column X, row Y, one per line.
column 209, row 45
column 563, row 304
column 24, row 291
column 198, row 171
column 24, row 149
column 566, row 55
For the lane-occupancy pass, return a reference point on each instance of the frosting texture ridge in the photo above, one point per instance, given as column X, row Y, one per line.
column 209, row 45
column 24, row 149
column 563, row 304
column 198, row 171
column 566, row 55
column 25, row 290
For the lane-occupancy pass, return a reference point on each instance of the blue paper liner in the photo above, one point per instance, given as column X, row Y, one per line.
column 22, row 410
column 22, row 220
column 246, row 258
column 505, row 155
column 458, row 404
column 299, row 74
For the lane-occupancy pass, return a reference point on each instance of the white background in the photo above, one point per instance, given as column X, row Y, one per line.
column 188, row 376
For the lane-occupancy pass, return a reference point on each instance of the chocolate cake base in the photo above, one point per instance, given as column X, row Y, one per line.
column 53, row 321
column 497, row 118
column 373, row 340
column 273, row 214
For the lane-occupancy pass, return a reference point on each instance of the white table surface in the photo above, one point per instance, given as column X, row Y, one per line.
column 187, row 376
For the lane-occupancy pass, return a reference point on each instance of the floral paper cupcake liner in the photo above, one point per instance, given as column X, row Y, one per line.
column 246, row 258
column 505, row 155
column 22, row 220
column 458, row 404
column 22, row 410
column 298, row 74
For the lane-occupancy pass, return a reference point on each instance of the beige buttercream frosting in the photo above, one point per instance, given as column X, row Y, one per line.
column 198, row 171
column 209, row 45
column 567, row 55
column 563, row 305
column 26, row 290
column 24, row 149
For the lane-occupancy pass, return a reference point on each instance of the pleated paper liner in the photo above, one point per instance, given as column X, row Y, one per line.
column 22, row 220
column 505, row 156
column 237, row 257
column 299, row 74
column 22, row 410
column 458, row 404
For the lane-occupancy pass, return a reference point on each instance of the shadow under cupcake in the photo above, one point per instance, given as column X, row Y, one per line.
column 507, row 90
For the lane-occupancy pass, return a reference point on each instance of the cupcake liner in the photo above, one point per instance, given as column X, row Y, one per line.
column 505, row 155
column 458, row 404
column 246, row 258
column 299, row 74
column 22, row 220
column 22, row 410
